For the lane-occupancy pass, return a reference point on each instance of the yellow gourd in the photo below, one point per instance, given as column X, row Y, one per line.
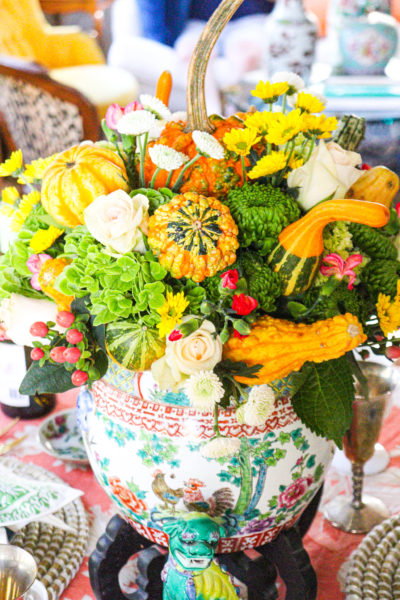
column 76, row 177
column 378, row 184
column 282, row 346
column 193, row 236
column 49, row 272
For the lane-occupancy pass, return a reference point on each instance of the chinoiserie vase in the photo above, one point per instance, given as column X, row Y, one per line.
column 146, row 449
column 291, row 35
column 362, row 36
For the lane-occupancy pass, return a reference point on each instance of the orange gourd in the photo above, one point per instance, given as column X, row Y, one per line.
column 378, row 184
column 297, row 255
column 164, row 87
column 76, row 177
column 207, row 176
column 48, row 274
column 283, row 346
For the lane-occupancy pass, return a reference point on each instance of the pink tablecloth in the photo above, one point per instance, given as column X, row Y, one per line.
column 328, row 547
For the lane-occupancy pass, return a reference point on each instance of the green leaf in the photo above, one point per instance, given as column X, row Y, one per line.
column 156, row 301
column 296, row 309
column 241, row 326
column 49, row 379
column 238, row 368
column 324, row 400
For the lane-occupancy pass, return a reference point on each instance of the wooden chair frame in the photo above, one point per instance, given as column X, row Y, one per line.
column 36, row 75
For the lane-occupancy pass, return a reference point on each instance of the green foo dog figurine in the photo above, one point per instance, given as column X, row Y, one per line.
column 190, row 573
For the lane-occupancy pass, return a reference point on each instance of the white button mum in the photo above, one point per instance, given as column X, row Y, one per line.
column 167, row 158
column 258, row 407
column 155, row 106
column 204, row 390
column 221, row 446
column 207, row 144
column 296, row 83
column 136, row 122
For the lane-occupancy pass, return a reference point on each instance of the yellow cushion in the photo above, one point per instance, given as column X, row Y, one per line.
column 102, row 84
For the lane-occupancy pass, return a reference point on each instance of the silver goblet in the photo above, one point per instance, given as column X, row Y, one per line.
column 17, row 572
column 362, row 513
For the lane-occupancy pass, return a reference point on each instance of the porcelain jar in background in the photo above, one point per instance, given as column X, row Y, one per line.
column 148, row 451
column 291, row 35
column 367, row 43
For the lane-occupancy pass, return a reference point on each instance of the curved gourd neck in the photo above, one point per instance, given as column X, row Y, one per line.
column 196, row 102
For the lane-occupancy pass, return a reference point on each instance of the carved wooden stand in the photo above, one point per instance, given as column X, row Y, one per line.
column 285, row 554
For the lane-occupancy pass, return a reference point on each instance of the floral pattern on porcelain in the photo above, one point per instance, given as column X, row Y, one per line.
column 146, row 454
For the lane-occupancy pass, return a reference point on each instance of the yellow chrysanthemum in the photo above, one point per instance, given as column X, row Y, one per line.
column 309, row 103
column 241, row 140
column 171, row 312
column 10, row 195
column 285, row 128
column 44, row 238
column 270, row 92
column 295, row 163
column 25, row 207
column 389, row 312
column 12, row 164
column 321, row 126
column 7, row 210
column 261, row 121
column 35, row 170
column 268, row 165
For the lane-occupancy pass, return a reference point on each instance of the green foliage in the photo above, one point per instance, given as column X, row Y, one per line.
column 156, row 197
column 118, row 286
column 337, row 238
column 46, row 379
column 372, row 241
column 325, row 397
column 341, row 301
column 380, row 276
column 261, row 212
column 263, row 283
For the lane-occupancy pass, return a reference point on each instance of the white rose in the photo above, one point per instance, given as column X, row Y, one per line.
column 117, row 221
column 18, row 313
column 199, row 351
column 328, row 173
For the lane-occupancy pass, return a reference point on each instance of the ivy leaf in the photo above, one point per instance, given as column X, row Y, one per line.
column 325, row 399
column 49, row 379
column 238, row 368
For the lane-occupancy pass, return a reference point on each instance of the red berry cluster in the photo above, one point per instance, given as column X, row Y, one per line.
column 70, row 355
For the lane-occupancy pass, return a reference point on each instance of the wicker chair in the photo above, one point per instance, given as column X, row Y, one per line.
column 40, row 115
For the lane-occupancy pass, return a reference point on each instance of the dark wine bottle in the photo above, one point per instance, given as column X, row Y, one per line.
column 14, row 362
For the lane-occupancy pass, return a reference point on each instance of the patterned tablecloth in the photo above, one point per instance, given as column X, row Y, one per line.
column 328, row 547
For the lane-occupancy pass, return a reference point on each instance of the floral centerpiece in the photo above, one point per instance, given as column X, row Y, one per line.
column 235, row 262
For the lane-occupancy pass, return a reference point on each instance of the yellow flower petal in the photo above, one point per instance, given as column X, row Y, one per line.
column 268, row 165
column 388, row 312
column 10, row 195
column 309, row 103
column 12, row 164
column 241, row 141
column 270, row 92
column 35, row 170
column 261, row 121
column 285, row 128
column 171, row 312
column 44, row 238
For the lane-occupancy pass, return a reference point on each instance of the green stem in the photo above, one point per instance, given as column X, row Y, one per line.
column 153, row 179
column 169, row 178
column 359, row 375
column 216, row 426
column 178, row 182
column 244, row 174
column 269, row 147
column 142, row 148
column 311, row 148
column 284, row 103
column 270, row 104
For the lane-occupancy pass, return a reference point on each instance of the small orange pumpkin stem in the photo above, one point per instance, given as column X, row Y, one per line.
column 164, row 87
column 304, row 237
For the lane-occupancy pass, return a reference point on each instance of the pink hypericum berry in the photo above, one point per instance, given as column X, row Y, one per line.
column 65, row 318
column 37, row 354
column 74, row 336
column 79, row 377
column 175, row 335
column 57, row 354
column 39, row 329
column 72, row 355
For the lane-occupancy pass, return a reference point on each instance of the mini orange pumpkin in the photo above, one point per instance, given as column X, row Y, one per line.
column 76, row 177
